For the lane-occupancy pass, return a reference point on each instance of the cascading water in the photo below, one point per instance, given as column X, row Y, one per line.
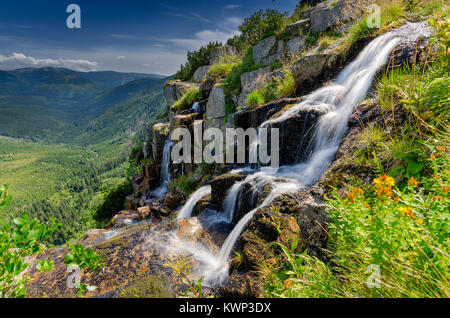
column 186, row 211
column 338, row 99
column 336, row 103
column 165, row 170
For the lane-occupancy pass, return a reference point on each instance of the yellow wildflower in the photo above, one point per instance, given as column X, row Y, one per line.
column 384, row 181
column 413, row 182
column 419, row 221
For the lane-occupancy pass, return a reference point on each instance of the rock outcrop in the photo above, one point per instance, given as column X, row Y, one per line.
column 220, row 52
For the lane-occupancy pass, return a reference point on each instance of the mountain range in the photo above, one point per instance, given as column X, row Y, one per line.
column 62, row 105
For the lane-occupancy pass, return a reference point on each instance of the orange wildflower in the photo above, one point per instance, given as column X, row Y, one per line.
column 437, row 198
column 407, row 211
column 447, row 172
column 445, row 189
column 433, row 157
column 353, row 194
column 440, row 148
column 413, row 182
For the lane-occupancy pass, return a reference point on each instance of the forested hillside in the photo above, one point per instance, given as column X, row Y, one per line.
column 66, row 140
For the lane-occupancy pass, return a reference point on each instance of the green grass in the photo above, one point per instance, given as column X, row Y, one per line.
column 191, row 96
column 255, row 99
column 225, row 66
column 64, row 181
column 398, row 221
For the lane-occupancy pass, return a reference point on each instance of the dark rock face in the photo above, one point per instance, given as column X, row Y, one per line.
column 241, row 285
column 220, row 187
column 296, row 28
column 297, row 134
column 255, row 117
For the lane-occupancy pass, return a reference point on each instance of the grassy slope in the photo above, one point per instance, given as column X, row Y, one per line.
column 401, row 224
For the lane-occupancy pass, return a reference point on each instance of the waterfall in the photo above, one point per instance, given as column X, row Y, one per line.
column 338, row 99
column 336, row 102
column 165, row 170
column 186, row 211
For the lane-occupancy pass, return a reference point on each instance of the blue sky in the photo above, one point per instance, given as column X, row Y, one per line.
column 120, row 35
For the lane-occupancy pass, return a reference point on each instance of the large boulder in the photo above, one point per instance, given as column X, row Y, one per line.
column 297, row 28
column 252, row 81
column 336, row 12
column 295, row 45
column 220, row 52
column 263, row 48
column 311, row 66
column 174, row 90
column 201, row 73
column 216, row 103
column 268, row 51
column 291, row 216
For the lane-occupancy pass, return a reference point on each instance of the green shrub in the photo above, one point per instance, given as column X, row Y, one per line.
column 113, row 202
column 255, row 99
column 232, row 82
column 225, row 66
column 21, row 239
column 185, row 184
column 285, row 85
column 191, row 96
column 195, row 60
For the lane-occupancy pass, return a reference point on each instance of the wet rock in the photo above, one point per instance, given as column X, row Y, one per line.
column 255, row 117
column 297, row 28
column 221, row 185
column 220, row 52
column 160, row 135
column 173, row 200
column 131, row 202
column 92, row 235
column 144, row 213
column 241, row 285
column 125, row 218
column 191, row 230
column 137, row 183
column 201, row 73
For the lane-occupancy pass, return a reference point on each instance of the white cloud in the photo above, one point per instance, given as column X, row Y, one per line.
column 120, row 58
column 20, row 60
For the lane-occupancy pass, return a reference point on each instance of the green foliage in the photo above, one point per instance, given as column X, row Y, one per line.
column 255, row 99
column 232, row 82
column 151, row 286
column 259, row 25
column 191, row 96
column 279, row 87
column 195, row 60
column 23, row 238
column 85, row 258
column 225, row 66
column 113, row 202
column 186, row 184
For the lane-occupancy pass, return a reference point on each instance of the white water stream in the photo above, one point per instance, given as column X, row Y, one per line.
column 338, row 101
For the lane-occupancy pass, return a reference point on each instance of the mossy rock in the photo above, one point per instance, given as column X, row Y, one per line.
column 151, row 286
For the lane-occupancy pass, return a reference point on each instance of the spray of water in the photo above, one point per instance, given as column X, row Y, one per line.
column 186, row 211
